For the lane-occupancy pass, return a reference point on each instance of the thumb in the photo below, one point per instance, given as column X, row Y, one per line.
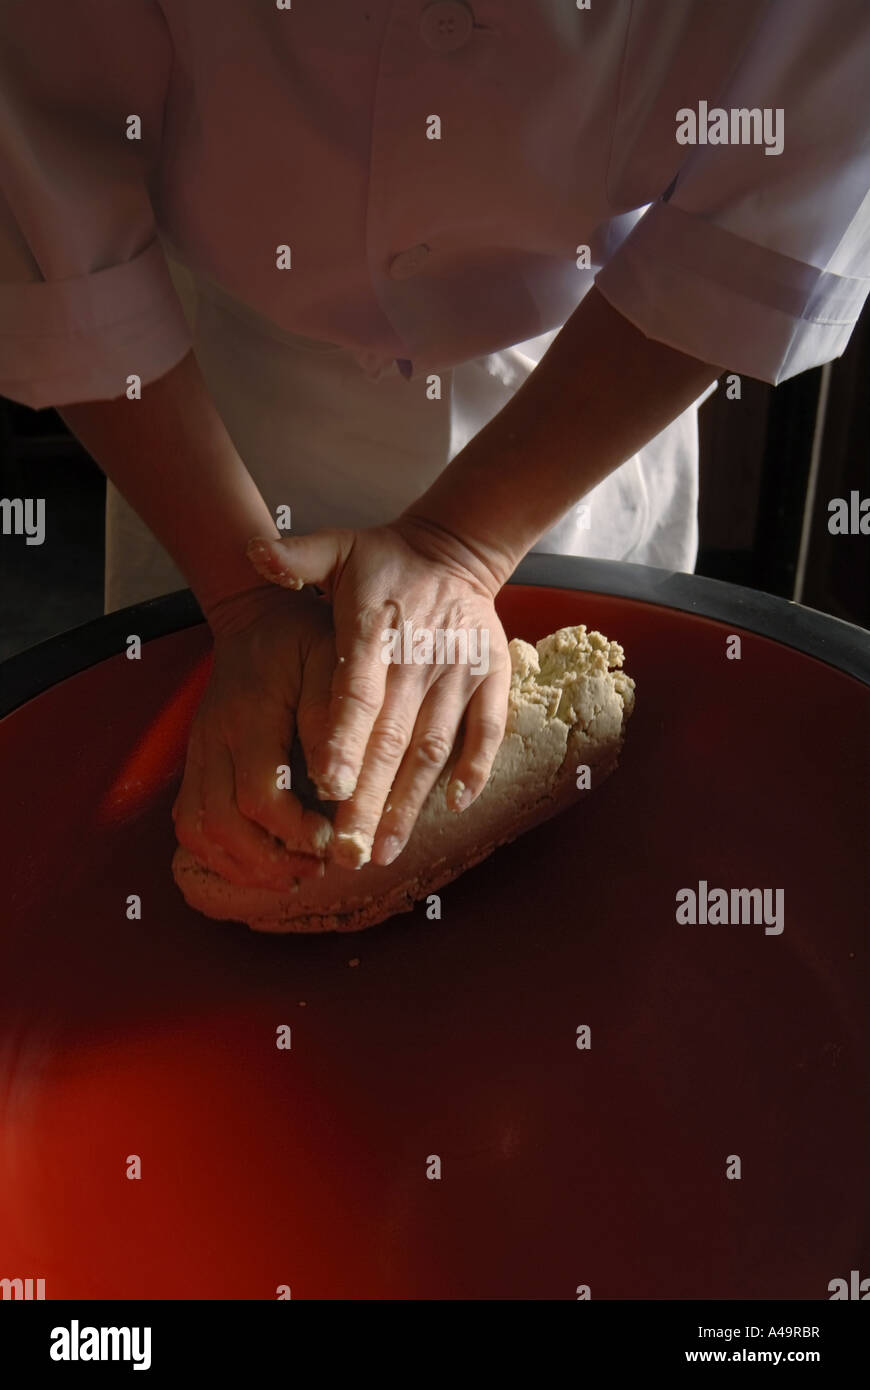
column 300, row 560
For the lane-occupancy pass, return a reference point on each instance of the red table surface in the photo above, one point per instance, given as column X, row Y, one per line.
column 561, row 1167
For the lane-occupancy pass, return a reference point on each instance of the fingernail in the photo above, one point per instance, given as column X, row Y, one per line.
column 268, row 560
column 390, row 849
column 458, row 795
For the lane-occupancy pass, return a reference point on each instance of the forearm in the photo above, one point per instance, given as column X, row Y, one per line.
column 599, row 394
column 171, row 457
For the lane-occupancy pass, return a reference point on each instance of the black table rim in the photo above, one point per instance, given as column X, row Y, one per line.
column 837, row 643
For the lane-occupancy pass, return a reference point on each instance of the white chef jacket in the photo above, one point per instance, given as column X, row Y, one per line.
column 302, row 134
column 343, row 446
column 306, row 127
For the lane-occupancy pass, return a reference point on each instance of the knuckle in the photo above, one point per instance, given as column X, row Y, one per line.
column 390, row 739
column 433, row 747
column 364, row 624
column 489, row 728
column 369, row 623
column 363, row 690
column 477, row 769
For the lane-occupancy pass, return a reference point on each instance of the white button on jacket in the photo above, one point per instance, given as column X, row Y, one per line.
column 446, row 25
column 256, row 128
column 410, row 262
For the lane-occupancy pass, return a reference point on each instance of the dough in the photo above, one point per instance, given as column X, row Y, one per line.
column 568, row 703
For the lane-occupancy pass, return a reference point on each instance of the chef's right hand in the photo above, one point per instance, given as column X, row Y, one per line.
column 274, row 656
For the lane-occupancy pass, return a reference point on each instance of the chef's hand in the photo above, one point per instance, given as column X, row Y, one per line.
column 392, row 725
column 274, row 656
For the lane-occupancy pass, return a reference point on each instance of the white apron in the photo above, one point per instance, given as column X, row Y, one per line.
column 348, row 442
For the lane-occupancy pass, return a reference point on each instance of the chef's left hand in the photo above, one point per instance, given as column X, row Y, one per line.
column 393, row 724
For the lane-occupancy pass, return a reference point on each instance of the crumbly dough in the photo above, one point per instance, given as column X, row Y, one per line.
column 568, row 704
column 356, row 846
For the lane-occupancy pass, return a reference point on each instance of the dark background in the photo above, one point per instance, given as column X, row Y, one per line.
column 770, row 463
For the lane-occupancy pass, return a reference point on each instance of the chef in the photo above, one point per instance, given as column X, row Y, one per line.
column 439, row 283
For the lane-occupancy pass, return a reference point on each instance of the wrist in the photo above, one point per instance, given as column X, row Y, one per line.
column 437, row 533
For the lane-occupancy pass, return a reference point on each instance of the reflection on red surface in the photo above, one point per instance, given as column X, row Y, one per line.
column 560, row 1166
column 159, row 753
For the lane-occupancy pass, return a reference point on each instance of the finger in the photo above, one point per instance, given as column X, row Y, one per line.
column 264, row 795
column 220, row 862
column 358, row 688
column 294, row 562
column 315, row 696
column 257, row 852
column 357, row 820
column 485, row 720
column 428, row 752
column 187, row 807
column 188, row 814
column 189, row 818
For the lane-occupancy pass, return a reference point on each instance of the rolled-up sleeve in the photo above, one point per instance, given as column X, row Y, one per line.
column 86, row 299
column 760, row 263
